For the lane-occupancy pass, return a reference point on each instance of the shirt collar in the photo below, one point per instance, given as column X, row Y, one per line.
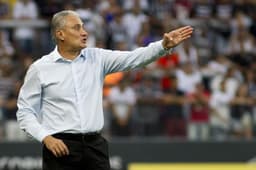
column 58, row 57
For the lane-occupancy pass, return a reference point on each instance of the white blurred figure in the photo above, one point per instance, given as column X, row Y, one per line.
column 241, row 43
column 232, row 81
column 161, row 8
column 220, row 112
column 93, row 21
column 188, row 54
column 242, row 112
column 6, row 48
column 25, row 10
column 122, row 100
column 218, row 66
column 188, row 78
column 133, row 21
column 128, row 5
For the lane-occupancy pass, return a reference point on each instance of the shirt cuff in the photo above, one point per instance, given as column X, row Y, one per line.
column 166, row 51
column 41, row 135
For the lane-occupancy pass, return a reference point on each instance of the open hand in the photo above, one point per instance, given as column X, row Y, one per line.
column 176, row 36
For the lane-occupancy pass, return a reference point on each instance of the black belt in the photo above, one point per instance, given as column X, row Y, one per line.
column 77, row 136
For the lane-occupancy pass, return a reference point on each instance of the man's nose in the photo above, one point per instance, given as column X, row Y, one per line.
column 84, row 32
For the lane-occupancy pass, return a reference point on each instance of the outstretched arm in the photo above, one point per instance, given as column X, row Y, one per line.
column 175, row 37
column 114, row 61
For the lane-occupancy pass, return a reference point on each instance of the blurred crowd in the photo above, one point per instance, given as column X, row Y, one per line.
column 204, row 90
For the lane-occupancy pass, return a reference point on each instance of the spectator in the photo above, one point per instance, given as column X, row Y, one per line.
column 22, row 64
column 220, row 112
column 4, row 10
column 122, row 100
column 240, row 21
column 48, row 7
column 6, row 48
column 110, row 81
column 68, row 5
column 241, row 113
column 224, row 9
column 108, row 8
column 25, row 10
column 202, row 9
column 145, row 36
column 93, row 21
column 188, row 54
column 188, row 78
column 198, row 121
column 250, row 79
column 147, row 113
column 215, row 67
column 173, row 117
column 142, row 4
column 182, row 8
column 136, row 17
column 222, row 24
column 7, row 78
column 231, row 81
column 12, row 130
column 116, row 31
column 241, row 47
column 253, row 26
column 204, row 43
column 161, row 8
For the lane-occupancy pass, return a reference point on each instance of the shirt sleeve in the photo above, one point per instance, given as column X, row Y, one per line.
column 29, row 104
column 114, row 61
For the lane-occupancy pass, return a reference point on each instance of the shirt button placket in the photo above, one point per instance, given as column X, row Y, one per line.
column 73, row 69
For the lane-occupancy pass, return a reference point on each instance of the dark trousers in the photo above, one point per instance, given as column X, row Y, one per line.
column 86, row 152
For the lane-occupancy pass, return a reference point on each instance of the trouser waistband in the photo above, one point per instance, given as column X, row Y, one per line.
column 77, row 136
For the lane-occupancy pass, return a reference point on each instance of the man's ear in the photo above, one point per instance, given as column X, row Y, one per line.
column 60, row 35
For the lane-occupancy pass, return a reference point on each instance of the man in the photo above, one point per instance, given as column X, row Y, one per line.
column 60, row 102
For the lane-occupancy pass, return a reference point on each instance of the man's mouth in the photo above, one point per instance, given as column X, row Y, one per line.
column 84, row 40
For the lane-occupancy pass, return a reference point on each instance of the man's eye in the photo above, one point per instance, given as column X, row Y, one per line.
column 77, row 27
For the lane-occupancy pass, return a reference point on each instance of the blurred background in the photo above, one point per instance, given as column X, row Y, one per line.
column 201, row 99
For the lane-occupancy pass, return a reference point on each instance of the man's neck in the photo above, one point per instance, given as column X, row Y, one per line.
column 69, row 54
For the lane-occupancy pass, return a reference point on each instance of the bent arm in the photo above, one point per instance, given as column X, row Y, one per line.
column 29, row 104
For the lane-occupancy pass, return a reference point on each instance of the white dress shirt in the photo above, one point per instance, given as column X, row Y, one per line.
column 60, row 95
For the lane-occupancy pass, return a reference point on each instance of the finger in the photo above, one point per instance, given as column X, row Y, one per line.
column 182, row 29
column 54, row 152
column 58, row 150
column 187, row 34
column 186, row 28
column 64, row 148
column 184, row 38
column 188, row 31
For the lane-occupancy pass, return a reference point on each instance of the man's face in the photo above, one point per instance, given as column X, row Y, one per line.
column 74, row 34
